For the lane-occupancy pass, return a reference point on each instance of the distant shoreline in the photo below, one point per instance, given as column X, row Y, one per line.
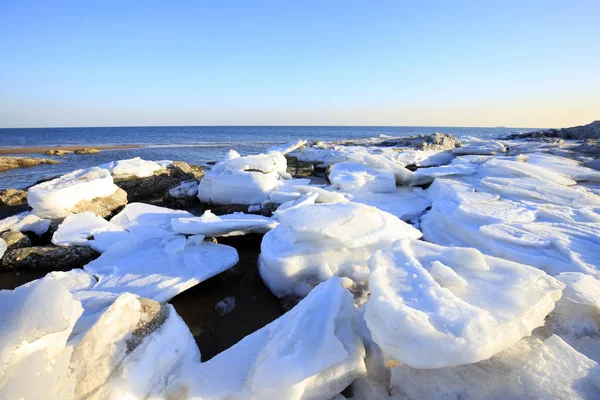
column 41, row 150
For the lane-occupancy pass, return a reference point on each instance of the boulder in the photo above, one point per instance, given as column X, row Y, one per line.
column 182, row 196
column 299, row 169
column 13, row 197
column 103, row 206
column 55, row 152
column 86, row 151
column 20, row 162
column 159, row 182
column 15, row 240
column 50, row 258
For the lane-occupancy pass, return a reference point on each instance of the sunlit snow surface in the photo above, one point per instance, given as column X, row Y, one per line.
column 502, row 303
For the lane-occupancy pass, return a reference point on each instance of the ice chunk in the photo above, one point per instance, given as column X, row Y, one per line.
column 314, row 242
column 211, row 225
column 463, row 311
column 25, row 222
column 565, row 166
column 480, row 147
column 187, row 188
column 146, row 221
column 405, row 203
column 77, row 229
column 350, row 177
column 57, row 197
column 527, row 170
column 323, row 195
column 133, row 167
column 287, row 148
column 243, row 180
column 36, row 322
column 2, row 247
column 312, row 352
column 254, row 208
column 131, row 350
column 157, row 270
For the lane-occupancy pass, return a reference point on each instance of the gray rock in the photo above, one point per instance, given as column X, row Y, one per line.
column 589, row 131
column 225, row 306
column 152, row 317
column 20, row 162
column 436, row 141
column 51, row 258
column 157, row 185
column 299, row 169
column 86, row 151
column 103, row 206
column 13, row 197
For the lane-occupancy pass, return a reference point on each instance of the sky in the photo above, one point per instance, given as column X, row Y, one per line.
column 388, row 63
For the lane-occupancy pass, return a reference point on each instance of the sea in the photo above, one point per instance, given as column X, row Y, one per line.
column 193, row 144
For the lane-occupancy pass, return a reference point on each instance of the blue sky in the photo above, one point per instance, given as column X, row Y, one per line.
column 453, row 63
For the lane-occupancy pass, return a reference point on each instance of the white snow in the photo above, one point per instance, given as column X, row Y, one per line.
column 25, row 222
column 405, row 203
column 133, row 167
column 287, row 148
column 243, row 180
column 460, row 305
column 317, row 241
column 146, row 221
column 57, row 197
column 312, row 352
column 350, row 177
column 77, row 229
column 2, row 247
column 211, row 225
column 159, row 269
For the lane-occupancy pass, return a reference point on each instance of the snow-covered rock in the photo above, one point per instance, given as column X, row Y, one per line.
column 159, row 269
column 56, row 198
column 77, row 229
column 211, row 225
column 133, row 167
column 460, row 305
column 243, row 180
column 317, row 241
column 25, row 222
column 312, row 352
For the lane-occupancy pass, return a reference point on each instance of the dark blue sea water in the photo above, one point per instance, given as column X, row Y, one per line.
column 195, row 145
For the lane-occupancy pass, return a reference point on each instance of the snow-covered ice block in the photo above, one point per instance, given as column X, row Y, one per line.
column 405, row 203
column 526, row 170
column 315, row 242
column 434, row 306
column 146, row 221
column 132, row 167
column 159, row 269
column 77, row 229
column 576, row 318
column 131, row 350
column 57, row 197
column 36, row 322
column 287, row 148
column 211, row 225
column 312, row 352
column 351, row 177
column 25, row 222
column 187, row 188
column 480, row 147
column 323, row 195
column 562, row 165
column 243, row 180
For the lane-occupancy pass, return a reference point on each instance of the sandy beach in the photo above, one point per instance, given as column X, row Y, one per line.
column 41, row 150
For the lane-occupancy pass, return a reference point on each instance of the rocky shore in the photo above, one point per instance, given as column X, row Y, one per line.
column 20, row 162
column 356, row 269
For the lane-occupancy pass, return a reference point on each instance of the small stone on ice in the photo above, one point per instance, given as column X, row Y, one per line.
column 225, row 306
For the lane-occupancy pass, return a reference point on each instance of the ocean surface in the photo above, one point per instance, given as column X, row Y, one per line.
column 194, row 145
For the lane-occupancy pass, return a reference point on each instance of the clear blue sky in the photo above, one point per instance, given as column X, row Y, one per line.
column 460, row 63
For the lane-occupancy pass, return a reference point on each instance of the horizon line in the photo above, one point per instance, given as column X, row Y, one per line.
column 274, row 126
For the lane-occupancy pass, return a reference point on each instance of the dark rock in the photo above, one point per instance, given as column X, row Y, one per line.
column 225, row 306
column 299, row 169
column 13, row 197
column 86, row 151
column 51, row 258
column 151, row 318
column 436, row 141
column 179, row 198
column 159, row 183
column 20, row 162
column 582, row 132
column 103, row 206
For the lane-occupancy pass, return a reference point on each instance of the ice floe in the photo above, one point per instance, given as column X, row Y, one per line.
column 76, row 230
column 317, row 241
column 460, row 305
column 56, row 198
column 25, row 222
column 146, row 221
column 313, row 351
column 134, row 167
column 212, row 225
column 350, row 177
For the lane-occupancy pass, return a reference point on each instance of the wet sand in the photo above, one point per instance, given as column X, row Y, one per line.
column 41, row 150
